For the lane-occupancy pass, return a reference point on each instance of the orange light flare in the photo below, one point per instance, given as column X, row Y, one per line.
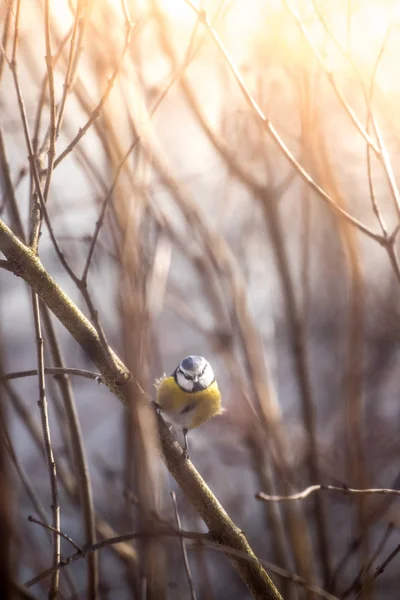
column 362, row 27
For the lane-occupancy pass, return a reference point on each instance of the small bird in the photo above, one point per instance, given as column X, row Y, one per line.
column 190, row 396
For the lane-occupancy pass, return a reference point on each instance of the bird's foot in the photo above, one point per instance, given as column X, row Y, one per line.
column 157, row 407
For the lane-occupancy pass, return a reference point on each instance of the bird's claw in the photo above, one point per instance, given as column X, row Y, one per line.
column 157, row 408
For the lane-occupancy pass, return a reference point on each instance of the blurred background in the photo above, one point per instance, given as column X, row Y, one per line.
column 267, row 245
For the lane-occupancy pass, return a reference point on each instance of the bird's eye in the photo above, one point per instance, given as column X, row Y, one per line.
column 186, row 375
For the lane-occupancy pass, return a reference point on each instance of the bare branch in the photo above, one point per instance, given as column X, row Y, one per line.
column 56, row 371
column 200, row 540
column 56, row 531
column 379, row 571
column 329, row 488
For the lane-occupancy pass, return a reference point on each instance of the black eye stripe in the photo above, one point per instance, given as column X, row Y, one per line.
column 203, row 371
column 178, row 369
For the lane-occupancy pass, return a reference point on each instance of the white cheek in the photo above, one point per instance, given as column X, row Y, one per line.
column 208, row 377
column 185, row 384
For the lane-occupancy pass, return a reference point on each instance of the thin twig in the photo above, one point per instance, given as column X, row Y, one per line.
column 6, row 34
column 9, row 189
column 55, row 506
column 42, row 99
column 369, row 95
column 16, row 33
column 388, row 168
column 379, row 570
column 356, row 583
column 32, row 495
column 56, row 531
column 54, row 371
column 30, row 490
column 126, row 12
column 200, row 540
column 37, row 214
column 127, row 537
column 79, row 455
column 274, row 569
column 330, row 488
column 183, row 548
column 69, row 72
column 52, row 104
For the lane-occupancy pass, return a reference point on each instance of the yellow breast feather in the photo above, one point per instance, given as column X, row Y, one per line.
column 188, row 409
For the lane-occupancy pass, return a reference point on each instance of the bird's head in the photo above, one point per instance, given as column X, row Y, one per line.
column 194, row 374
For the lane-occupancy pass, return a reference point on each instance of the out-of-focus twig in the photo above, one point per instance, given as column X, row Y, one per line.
column 183, row 548
column 356, row 583
column 51, row 464
column 309, row 587
column 42, row 100
column 11, row 200
column 52, row 104
column 379, row 570
column 200, row 540
column 78, row 451
column 5, row 37
column 53, row 371
column 69, row 72
column 329, row 488
column 56, row 531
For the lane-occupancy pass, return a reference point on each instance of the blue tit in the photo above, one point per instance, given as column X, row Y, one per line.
column 190, row 396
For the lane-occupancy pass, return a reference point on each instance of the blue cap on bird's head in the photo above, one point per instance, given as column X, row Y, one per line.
column 193, row 364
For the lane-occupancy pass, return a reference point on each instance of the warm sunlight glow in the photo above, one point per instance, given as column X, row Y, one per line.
column 362, row 31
